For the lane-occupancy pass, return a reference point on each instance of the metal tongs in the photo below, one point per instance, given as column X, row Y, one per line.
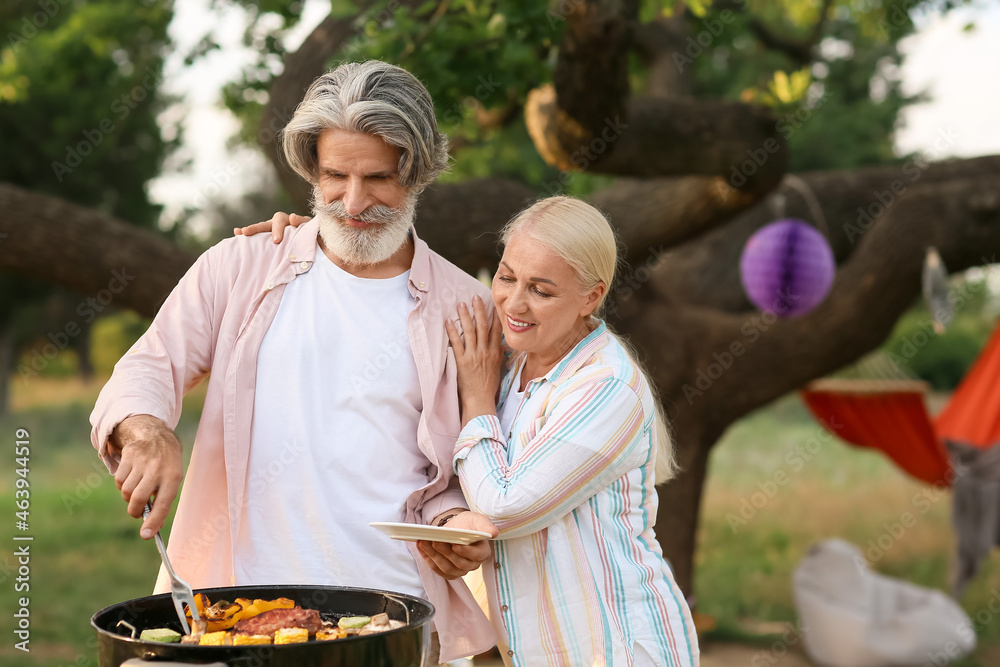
column 180, row 591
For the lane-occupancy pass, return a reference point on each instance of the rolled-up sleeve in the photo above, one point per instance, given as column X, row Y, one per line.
column 172, row 356
column 593, row 436
column 451, row 498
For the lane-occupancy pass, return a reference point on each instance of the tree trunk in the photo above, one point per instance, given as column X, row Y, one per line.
column 82, row 346
column 87, row 251
column 680, row 502
column 6, row 364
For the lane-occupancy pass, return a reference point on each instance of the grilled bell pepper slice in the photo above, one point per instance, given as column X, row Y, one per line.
column 201, row 602
column 258, row 606
column 221, row 616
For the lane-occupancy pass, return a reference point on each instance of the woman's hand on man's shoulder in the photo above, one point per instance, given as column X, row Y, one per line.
column 276, row 225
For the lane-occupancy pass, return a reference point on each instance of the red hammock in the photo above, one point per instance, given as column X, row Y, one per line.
column 891, row 416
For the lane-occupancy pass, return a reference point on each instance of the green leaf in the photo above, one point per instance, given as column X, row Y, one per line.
column 780, row 88
column 699, row 7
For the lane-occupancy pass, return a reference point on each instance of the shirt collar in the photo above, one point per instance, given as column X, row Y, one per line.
column 300, row 253
column 303, row 246
column 420, row 267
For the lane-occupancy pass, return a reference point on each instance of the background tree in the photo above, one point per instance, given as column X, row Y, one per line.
column 79, row 98
column 682, row 123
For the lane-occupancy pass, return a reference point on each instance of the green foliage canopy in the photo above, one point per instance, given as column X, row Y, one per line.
column 79, row 98
column 838, row 111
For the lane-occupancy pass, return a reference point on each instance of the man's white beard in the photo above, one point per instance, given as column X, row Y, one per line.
column 364, row 247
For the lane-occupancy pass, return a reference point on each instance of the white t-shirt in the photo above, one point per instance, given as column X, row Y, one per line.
column 333, row 443
column 509, row 409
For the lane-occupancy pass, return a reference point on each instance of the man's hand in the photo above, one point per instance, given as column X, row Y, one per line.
column 452, row 561
column 150, row 465
column 276, row 225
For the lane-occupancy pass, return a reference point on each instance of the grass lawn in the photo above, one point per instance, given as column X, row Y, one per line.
column 87, row 554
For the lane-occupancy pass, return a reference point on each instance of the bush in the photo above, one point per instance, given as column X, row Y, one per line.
column 111, row 338
column 41, row 358
column 942, row 360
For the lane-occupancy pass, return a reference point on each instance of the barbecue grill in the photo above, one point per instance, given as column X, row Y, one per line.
column 408, row 646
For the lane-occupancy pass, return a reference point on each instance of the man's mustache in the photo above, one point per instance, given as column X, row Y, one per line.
column 373, row 214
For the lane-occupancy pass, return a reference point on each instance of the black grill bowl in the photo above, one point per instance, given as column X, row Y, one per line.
column 408, row 646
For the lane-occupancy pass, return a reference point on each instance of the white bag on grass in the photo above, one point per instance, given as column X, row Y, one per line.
column 854, row 617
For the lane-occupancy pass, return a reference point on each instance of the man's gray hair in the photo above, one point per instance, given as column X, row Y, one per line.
column 375, row 98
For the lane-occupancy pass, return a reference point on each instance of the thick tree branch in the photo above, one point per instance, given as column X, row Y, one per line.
column 872, row 289
column 799, row 50
column 460, row 221
column 706, row 271
column 591, row 74
column 651, row 216
column 684, row 136
column 80, row 248
column 656, row 43
column 576, row 127
column 663, row 137
column 654, row 215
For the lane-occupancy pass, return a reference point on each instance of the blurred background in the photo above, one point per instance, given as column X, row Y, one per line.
column 138, row 134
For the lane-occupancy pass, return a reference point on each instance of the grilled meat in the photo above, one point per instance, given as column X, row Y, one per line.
column 276, row 619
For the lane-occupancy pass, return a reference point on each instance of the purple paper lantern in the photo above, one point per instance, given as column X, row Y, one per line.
column 787, row 268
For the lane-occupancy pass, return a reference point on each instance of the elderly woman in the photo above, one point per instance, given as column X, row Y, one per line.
column 561, row 459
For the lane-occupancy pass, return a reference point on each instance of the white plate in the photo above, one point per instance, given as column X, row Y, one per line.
column 411, row 532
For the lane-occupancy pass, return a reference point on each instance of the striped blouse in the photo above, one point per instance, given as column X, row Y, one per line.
column 578, row 578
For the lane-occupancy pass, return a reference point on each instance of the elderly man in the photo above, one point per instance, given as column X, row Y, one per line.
column 331, row 401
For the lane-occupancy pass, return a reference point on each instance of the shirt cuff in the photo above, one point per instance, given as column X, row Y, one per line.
column 108, row 420
column 483, row 427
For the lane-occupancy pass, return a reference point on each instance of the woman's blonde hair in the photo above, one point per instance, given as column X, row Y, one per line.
column 583, row 238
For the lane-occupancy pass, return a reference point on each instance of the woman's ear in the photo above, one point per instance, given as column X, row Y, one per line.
column 593, row 298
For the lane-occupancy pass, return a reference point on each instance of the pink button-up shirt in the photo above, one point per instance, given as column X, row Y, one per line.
column 213, row 323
